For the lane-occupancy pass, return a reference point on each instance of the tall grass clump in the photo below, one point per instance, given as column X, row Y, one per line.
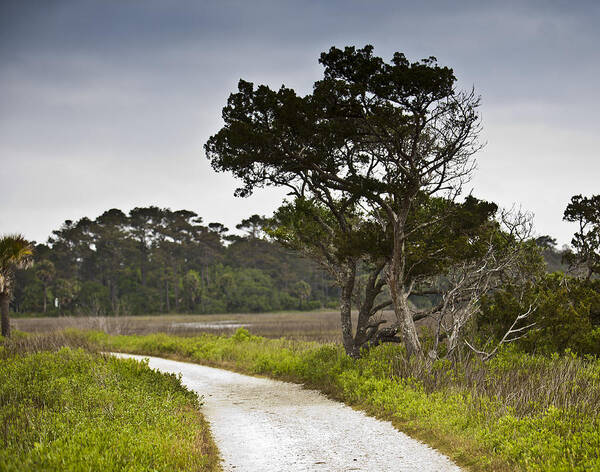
column 24, row 343
column 68, row 409
column 516, row 412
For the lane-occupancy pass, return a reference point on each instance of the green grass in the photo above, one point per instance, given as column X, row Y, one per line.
column 74, row 410
column 518, row 412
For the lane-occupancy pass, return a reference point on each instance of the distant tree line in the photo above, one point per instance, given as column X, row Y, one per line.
column 155, row 260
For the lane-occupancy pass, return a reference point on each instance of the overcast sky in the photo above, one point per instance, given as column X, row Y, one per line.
column 108, row 103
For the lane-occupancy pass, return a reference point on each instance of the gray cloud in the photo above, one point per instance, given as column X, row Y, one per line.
column 108, row 103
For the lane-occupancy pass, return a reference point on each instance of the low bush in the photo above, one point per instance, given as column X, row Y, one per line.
column 68, row 409
column 517, row 412
column 566, row 315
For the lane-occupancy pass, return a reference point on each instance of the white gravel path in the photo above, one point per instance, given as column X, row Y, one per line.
column 263, row 425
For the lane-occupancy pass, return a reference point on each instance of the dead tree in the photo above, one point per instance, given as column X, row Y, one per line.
column 512, row 334
column 461, row 288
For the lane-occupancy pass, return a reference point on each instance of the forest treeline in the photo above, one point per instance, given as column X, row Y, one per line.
column 156, row 260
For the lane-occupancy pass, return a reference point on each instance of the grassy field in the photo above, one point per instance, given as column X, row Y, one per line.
column 322, row 326
column 518, row 412
column 69, row 409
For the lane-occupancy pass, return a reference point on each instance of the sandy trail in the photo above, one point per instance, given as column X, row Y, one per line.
column 263, row 425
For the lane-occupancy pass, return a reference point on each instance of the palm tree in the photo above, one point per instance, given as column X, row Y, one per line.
column 15, row 253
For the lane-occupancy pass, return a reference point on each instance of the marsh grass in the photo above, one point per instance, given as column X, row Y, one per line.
column 321, row 326
column 523, row 384
column 23, row 344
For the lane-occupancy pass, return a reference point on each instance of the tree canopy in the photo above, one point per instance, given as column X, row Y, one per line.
column 15, row 253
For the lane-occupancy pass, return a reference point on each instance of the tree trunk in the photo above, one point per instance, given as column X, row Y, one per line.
column 45, row 298
column 143, row 259
column 4, row 306
column 167, row 304
column 143, row 270
column 367, row 330
column 453, row 339
column 364, row 332
column 408, row 330
column 113, row 297
column 324, row 300
column 346, row 311
column 176, row 289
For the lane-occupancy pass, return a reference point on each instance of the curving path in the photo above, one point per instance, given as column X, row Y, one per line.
column 263, row 425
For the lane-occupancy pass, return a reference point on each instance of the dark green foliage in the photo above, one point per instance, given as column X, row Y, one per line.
column 352, row 247
column 15, row 253
column 461, row 233
column 586, row 242
column 567, row 314
column 310, row 227
column 362, row 107
column 156, row 260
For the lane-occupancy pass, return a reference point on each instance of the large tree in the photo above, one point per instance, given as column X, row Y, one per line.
column 375, row 134
column 585, row 211
column 143, row 223
column 108, row 232
column 15, row 253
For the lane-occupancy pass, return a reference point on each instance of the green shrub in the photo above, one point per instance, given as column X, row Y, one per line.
column 567, row 314
column 75, row 410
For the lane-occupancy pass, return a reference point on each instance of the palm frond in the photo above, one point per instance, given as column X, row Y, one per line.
column 15, row 253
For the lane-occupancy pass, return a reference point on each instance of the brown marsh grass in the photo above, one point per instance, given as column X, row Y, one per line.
column 41, row 342
column 320, row 326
